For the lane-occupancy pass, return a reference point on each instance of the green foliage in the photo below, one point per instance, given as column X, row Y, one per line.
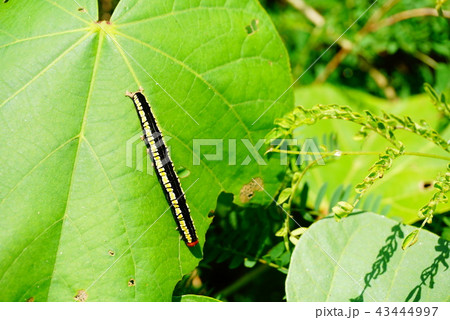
column 75, row 216
column 242, row 235
column 384, row 126
column 439, row 100
column 378, row 169
column 407, row 187
column 406, row 53
column 442, row 185
column 331, row 258
column 306, row 188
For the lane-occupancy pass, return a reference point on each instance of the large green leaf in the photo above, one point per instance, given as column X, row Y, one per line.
column 360, row 259
column 76, row 218
column 408, row 185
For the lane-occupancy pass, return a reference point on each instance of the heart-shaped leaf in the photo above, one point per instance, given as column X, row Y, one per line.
column 82, row 216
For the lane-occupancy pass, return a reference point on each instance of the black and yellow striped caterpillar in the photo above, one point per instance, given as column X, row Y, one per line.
column 164, row 168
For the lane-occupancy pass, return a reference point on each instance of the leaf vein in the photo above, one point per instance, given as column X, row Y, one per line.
column 48, row 67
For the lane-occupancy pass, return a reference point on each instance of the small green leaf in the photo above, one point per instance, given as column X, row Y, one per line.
column 294, row 240
column 284, row 196
column 249, row 263
column 410, row 239
column 298, row 232
column 282, row 232
column 276, row 251
column 342, row 210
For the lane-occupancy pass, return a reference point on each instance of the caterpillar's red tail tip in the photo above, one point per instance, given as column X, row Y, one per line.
column 192, row 244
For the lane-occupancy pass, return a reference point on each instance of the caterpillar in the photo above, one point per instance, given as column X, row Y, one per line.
column 164, row 168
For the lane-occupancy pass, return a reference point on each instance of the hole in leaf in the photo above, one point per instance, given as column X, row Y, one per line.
column 131, row 283
column 81, row 296
column 111, row 253
column 424, row 185
column 248, row 190
column 106, row 9
column 183, row 172
column 5, row 1
column 252, row 27
column 30, row 299
column 82, row 10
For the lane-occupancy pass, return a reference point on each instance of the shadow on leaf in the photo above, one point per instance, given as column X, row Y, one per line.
column 428, row 274
column 384, row 256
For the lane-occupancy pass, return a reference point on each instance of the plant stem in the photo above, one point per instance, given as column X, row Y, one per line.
column 358, row 153
column 294, row 188
column 310, row 13
column 404, row 15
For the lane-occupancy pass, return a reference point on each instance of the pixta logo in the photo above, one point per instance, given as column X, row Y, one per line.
column 207, row 150
column 216, row 151
column 137, row 154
